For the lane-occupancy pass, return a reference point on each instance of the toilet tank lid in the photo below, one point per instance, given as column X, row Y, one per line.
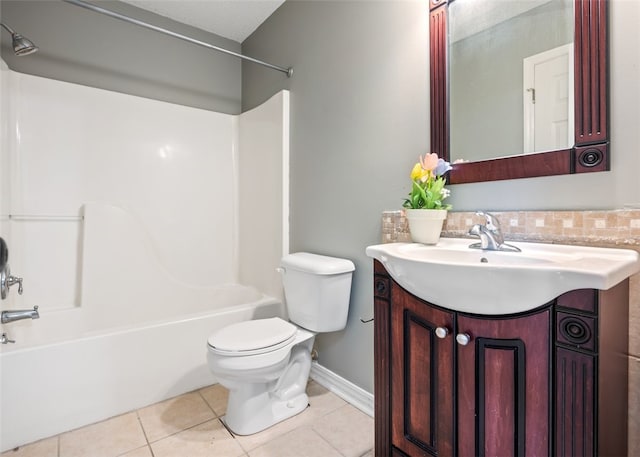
column 316, row 264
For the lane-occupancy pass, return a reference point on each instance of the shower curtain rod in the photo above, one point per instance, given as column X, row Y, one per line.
column 122, row 17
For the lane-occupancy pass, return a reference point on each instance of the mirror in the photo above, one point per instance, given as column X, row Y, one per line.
column 515, row 62
column 510, row 80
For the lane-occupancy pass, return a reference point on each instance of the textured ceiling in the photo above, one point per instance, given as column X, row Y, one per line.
column 233, row 19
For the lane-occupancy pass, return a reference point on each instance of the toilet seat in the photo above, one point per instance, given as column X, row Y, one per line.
column 252, row 337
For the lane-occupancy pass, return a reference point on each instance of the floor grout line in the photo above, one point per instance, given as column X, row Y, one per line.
column 233, row 435
column 199, row 391
column 326, row 440
column 144, row 432
column 135, row 449
column 183, row 430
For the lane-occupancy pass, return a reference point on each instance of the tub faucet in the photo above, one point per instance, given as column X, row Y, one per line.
column 491, row 238
column 10, row 316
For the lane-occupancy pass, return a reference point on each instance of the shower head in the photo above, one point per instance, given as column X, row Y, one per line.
column 21, row 46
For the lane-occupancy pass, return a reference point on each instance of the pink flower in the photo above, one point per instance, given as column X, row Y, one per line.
column 429, row 162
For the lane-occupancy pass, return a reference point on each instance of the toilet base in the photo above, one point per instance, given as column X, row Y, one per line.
column 277, row 412
column 253, row 407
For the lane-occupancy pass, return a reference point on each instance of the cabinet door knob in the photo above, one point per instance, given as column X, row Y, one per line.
column 463, row 338
column 442, row 332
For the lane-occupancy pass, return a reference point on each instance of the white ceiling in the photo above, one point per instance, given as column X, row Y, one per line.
column 233, row 19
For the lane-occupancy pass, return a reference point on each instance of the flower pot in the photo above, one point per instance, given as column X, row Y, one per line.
column 425, row 225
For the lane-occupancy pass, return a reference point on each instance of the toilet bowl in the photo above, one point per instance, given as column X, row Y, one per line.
column 266, row 382
column 265, row 363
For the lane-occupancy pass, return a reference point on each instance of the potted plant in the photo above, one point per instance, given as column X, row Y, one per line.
column 424, row 208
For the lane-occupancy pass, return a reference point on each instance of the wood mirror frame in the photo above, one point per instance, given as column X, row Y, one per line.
column 590, row 152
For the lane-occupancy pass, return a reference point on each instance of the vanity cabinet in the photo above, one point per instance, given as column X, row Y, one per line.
column 551, row 381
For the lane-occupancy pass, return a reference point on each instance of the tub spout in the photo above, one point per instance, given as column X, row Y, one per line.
column 10, row 316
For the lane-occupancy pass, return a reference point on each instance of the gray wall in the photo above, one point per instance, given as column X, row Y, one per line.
column 359, row 111
column 359, row 119
column 84, row 47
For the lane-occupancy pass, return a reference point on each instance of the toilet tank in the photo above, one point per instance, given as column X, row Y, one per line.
column 317, row 290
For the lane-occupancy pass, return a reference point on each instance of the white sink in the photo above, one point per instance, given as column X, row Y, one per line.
column 454, row 276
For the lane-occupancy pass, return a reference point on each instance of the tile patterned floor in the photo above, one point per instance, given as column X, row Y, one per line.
column 190, row 426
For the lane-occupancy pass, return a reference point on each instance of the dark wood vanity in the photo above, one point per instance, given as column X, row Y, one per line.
column 550, row 381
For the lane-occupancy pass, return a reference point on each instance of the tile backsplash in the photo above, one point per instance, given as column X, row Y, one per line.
column 597, row 228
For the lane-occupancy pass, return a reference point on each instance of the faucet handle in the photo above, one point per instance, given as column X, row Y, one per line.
column 7, row 280
column 492, row 222
column 11, row 280
column 4, row 339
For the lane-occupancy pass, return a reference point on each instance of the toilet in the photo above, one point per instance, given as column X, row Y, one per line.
column 265, row 363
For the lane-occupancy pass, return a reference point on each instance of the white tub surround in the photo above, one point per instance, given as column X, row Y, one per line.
column 263, row 196
column 122, row 215
column 4, row 150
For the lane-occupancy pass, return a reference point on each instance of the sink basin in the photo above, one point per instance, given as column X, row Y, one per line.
column 452, row 275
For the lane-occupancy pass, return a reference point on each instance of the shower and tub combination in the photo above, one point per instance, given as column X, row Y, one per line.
column 134, row 234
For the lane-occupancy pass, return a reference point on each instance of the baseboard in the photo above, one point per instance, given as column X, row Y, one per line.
column 344, row 389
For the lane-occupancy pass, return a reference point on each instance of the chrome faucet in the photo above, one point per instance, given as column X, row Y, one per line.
column 491, row 238
column 10, row 316
column 7, row 280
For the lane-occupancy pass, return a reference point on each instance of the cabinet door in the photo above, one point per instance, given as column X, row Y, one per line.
column 504, row 386
column 421, row 377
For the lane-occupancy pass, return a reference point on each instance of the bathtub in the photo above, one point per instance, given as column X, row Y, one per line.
column 136, row 336
column 51, row 388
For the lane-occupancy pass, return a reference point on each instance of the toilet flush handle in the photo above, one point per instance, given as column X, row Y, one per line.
column 281, row 270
